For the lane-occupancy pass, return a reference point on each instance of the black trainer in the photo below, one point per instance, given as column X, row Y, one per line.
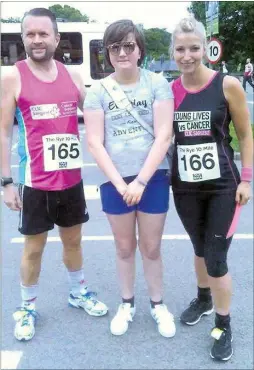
column 195, row 311
column 222, row 348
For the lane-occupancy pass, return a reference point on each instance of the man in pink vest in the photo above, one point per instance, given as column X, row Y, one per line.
column 44, row 96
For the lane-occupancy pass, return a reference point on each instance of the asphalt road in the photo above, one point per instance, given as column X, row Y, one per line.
column 68, row 338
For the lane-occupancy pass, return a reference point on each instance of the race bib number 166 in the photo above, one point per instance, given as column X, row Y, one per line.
column 198, row 162
column 61, row 151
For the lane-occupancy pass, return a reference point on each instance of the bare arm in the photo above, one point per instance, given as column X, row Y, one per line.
column 235, row 96
column 78, row 81
column 94, row 121
column 8, row 107
column 163, row 122
column 238, row 108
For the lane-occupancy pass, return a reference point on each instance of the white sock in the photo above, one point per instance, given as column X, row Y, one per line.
column 28, row 294
column 77, row 282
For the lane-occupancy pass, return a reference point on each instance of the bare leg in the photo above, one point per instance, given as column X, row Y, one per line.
column 222, row 292
column 150, row 233
column 72, row 252
column 201, row 272
column 124, row 231
column 31, row 258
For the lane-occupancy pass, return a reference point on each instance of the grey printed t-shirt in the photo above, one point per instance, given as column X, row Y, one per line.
column 125, row 140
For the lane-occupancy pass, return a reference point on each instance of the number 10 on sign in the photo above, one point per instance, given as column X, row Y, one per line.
column 214, row 50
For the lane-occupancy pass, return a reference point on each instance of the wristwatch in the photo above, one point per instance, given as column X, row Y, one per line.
column 6, row 181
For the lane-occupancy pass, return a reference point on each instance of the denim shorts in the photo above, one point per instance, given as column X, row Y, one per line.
column 155, row 198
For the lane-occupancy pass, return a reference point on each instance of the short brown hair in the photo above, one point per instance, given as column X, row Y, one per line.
column 41, row 12
column 117, row 31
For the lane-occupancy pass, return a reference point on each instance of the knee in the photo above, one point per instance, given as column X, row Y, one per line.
column 216, row 256
column 33, row 255
column 150, row 250
column 216, row 268
column 125, row 252
column 125, row 249
column 73, row 242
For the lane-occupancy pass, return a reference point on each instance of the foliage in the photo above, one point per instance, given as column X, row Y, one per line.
column 11, row 20
column 197, row 8
column 157, row 42
column 236, row 27
column 68, row 13
column 235, row 142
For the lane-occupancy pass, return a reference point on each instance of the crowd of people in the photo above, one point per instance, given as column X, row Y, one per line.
column 145, row 135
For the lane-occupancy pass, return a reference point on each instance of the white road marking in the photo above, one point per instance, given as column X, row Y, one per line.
column 83, row 165
column 10, row 359
column 91, row 192
column 89, row 165
column 52, row 239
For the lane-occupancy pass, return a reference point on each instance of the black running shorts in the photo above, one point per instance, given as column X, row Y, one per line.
column 42, row 209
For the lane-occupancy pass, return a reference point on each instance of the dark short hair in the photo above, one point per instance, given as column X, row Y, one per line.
column 117, row 31
column 42, row 12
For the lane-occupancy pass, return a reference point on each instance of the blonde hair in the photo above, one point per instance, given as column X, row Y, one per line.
column 188, row 25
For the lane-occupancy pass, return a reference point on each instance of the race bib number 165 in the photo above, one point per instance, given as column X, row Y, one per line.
column 61, row 151
column 198, row 162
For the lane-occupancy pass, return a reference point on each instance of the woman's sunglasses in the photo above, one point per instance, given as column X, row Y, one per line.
column 128, row 47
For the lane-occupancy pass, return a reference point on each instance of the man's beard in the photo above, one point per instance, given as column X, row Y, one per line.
column 44, row 57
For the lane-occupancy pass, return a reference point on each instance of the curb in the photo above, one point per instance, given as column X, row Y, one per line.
column 237, row 156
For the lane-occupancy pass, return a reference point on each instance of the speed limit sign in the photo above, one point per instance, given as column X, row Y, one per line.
column 214, row 50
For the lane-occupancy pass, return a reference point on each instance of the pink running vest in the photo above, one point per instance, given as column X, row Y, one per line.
column 49, row 147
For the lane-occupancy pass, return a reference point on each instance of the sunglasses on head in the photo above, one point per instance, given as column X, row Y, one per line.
column 128, row 47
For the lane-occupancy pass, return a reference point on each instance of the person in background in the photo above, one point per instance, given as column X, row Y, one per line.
column 248, row 73
column 224, row 67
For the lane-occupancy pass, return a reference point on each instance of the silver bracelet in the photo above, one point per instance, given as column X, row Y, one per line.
column 141, row 182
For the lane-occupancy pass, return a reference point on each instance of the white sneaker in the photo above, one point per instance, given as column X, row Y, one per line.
column 25, row 319
column 164, row 320
column 120, row 323
column 89, row 303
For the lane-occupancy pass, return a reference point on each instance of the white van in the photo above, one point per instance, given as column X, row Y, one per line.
column 80, row 48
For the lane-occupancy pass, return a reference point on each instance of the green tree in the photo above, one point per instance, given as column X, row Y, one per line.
column 236, row 29
column 68, row 13
column 197, row 8
column 11, row 20
column 157, row 42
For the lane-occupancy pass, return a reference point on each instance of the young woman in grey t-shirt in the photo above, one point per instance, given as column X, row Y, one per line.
column 135, row 187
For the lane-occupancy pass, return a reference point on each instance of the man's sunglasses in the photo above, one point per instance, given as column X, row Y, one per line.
column 128, row 47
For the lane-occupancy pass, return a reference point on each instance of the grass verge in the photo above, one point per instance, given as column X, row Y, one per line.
column 234, row 142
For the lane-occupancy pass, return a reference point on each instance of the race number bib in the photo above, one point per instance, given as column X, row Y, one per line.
column 61, row 152
column 198, row 162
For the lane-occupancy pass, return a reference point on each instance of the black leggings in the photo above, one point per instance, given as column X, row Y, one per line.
column 207, row 217
column 249, row 80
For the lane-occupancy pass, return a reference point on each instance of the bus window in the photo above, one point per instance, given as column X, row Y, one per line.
column 69, row 50
column 12, row 49
column 98, row 64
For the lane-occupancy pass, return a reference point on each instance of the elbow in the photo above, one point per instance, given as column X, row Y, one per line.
column 93, row 145
column 164, row 140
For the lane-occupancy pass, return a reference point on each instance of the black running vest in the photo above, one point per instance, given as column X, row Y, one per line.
column 203, row 158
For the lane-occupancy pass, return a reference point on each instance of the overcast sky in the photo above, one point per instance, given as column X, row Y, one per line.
column 162, row 14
